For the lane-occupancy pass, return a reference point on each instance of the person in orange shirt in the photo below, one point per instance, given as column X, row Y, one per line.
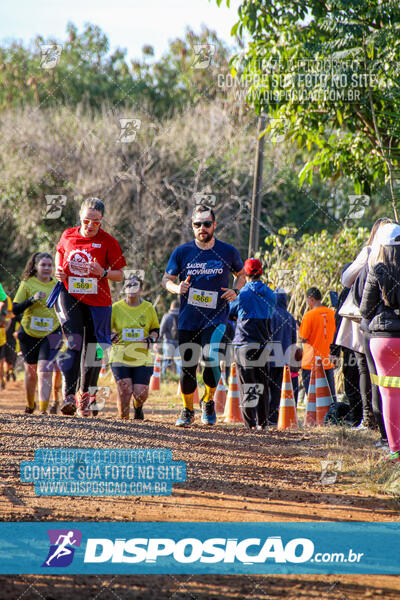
column 316, row 331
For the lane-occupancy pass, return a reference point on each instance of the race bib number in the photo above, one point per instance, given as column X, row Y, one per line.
column 82, row 285
column 41, row 324
column 132, row 335
column 202, row 298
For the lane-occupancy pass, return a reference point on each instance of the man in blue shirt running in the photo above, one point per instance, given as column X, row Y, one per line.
column 203, row 266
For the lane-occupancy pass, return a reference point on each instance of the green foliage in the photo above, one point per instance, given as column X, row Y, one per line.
column 88, row 73
column 173, row 82
column 356, row 130
column 297, row 263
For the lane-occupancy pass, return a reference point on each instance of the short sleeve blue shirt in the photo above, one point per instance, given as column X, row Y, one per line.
column 209, row 271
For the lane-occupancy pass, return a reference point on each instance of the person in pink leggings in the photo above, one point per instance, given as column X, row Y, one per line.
column 380, row 308
column 386, row 354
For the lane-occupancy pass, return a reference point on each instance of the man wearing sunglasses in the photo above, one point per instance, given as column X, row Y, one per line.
column 203, row 266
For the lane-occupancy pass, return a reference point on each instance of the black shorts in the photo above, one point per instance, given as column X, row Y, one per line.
column 204, row 343
column 140, row 375
column 36, row 349
column 3, row 351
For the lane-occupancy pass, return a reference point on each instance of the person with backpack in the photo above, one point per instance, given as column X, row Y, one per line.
column 380, row 309
column 351, row 374
column 352, row 336
column 169, row 338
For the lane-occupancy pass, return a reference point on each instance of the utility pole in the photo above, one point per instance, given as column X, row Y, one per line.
column 257, row 185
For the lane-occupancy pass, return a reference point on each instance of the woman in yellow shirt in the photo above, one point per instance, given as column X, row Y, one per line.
column 135, row 325
column 40, row 335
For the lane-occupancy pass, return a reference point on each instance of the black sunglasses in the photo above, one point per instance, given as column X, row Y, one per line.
column 206, row 224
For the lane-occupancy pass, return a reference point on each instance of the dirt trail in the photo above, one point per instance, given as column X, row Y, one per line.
column 232, row 475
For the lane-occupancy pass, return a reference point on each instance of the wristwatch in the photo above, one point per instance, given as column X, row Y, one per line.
column 105, row 273
column 236, row 290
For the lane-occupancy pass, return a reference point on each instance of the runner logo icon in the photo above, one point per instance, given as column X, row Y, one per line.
column 61, row 551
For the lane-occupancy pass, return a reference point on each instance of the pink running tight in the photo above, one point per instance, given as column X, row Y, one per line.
column 386, row 355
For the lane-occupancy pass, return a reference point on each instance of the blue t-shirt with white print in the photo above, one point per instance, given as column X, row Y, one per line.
column 209, row 271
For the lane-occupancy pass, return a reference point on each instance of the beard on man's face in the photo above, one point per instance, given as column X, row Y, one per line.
column 203, row 236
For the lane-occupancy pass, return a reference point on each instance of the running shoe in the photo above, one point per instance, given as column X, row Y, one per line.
column 82, row 404
column 382, row 444
column 138, row 414
column 361, row 427
column 91, row 403
column 69, row 405
column 53, row 408
column 186, row 418
column 208, row 416
column 394, row 456
column 28, row 410
column 384, row 447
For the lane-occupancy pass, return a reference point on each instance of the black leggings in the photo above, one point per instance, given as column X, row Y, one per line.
column 194, row 345
column 376, row 395
column 275, row 376
column 365, row 389
column 351, row 376
column 79, row 365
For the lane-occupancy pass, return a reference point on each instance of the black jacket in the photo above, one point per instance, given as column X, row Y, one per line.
column 381, row 317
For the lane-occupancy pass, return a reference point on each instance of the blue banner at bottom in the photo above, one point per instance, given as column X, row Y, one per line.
column 199, row 548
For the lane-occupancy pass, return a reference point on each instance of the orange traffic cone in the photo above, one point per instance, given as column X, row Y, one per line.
column 155, row 379
column 310, row 417
column 228, row 384
column 220, row 394
column 287, row 408
column 232, row 412
column 195, row 395
column 103, row 369
column 322, row 392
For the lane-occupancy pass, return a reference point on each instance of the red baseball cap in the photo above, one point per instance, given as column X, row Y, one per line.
column 253, row 266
